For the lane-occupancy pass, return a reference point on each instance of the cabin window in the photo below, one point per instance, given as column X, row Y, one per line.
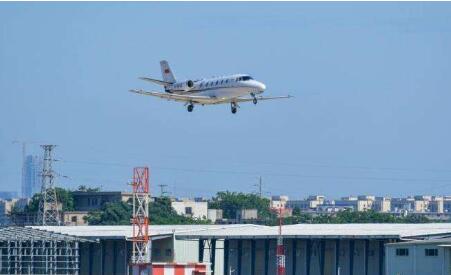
column 431, row 252
column 402, row 252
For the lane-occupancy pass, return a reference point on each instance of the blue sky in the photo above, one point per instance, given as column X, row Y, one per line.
column 371, row 81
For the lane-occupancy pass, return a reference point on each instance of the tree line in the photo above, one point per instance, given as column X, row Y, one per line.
column 161, row 211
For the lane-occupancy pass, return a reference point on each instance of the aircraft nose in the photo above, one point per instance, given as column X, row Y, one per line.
column 261, row 86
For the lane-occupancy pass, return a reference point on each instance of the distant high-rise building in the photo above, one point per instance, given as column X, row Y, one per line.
column 32, row 184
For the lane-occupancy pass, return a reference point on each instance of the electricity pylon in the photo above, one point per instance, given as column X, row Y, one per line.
column 48, row 206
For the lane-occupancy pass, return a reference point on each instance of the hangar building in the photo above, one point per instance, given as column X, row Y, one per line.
column 245, row 249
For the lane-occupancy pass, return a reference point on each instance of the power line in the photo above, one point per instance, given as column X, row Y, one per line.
column 392, row 179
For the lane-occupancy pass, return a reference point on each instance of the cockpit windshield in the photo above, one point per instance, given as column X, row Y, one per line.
column 244, row 78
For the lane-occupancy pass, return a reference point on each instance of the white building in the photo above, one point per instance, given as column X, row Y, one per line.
column 190, row 208
column 278, row 201
column 431, row 257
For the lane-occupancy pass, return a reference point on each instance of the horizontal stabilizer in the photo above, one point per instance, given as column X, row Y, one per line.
column 156, row 81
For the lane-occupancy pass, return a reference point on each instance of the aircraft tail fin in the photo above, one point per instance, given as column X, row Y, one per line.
column 166, row 71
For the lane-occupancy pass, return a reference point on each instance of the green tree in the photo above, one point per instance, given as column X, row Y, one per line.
column 63, row 196
column 120, row 213
column 112, row 213
column 231, row 202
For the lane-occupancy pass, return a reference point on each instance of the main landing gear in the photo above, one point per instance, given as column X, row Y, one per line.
column 254, row 98
column 233, row 107
column 190, row 107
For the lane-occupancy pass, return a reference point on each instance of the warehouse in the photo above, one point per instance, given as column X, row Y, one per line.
column 311, row 249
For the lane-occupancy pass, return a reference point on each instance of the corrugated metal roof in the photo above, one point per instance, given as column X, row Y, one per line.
column 376, row 231
column 16, row 233
column 249, row 231
column 125, row 231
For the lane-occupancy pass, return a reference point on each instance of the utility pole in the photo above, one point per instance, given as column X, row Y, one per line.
column 48, row 206
column 259, row 186
column 163, row 193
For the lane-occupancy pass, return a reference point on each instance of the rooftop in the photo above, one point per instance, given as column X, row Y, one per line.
column 250, row 231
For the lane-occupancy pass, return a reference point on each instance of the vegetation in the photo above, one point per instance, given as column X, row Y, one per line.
column 119, row 213
column 64, row 197
column 349, row 216
column 231, row 202
column 161, row 212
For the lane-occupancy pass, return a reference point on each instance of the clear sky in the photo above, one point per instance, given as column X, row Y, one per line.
column 371, row 81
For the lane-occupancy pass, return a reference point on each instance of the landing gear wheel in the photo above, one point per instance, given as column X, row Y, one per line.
column 254, row 98
column 190, row 108
column 233, row 106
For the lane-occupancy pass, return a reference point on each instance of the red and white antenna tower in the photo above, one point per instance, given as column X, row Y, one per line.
column 141, row 243
column 280, row 249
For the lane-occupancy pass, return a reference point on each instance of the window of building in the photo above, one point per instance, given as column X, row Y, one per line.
column 73, row 218
column 222, row 81
column 201, row 85
column 402, row 252
column 189, row 210
column 217, row 81
column 431, row 252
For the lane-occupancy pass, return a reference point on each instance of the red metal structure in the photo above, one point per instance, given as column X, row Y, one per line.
column 141, row 243
column 280, row 249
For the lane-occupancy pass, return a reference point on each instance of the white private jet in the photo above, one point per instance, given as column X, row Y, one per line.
column 231, row 89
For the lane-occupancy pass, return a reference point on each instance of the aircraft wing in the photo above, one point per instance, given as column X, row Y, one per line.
column 177, row 97
column 246, row 99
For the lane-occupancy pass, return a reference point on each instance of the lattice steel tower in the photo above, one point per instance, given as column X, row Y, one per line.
column 141, row 242
column 48, row 206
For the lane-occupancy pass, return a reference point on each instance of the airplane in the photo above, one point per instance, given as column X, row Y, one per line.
column 231, row 89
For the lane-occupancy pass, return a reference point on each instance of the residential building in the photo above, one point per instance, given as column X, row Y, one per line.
column 436, row 205
column 312, row 202
column 91, row 200
column 382, row 204
column 278, row 201
column 361, row 203
column 244, row 215
column 191, row 208
column 401, row 204
column 75, row 217
column 214, row 215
